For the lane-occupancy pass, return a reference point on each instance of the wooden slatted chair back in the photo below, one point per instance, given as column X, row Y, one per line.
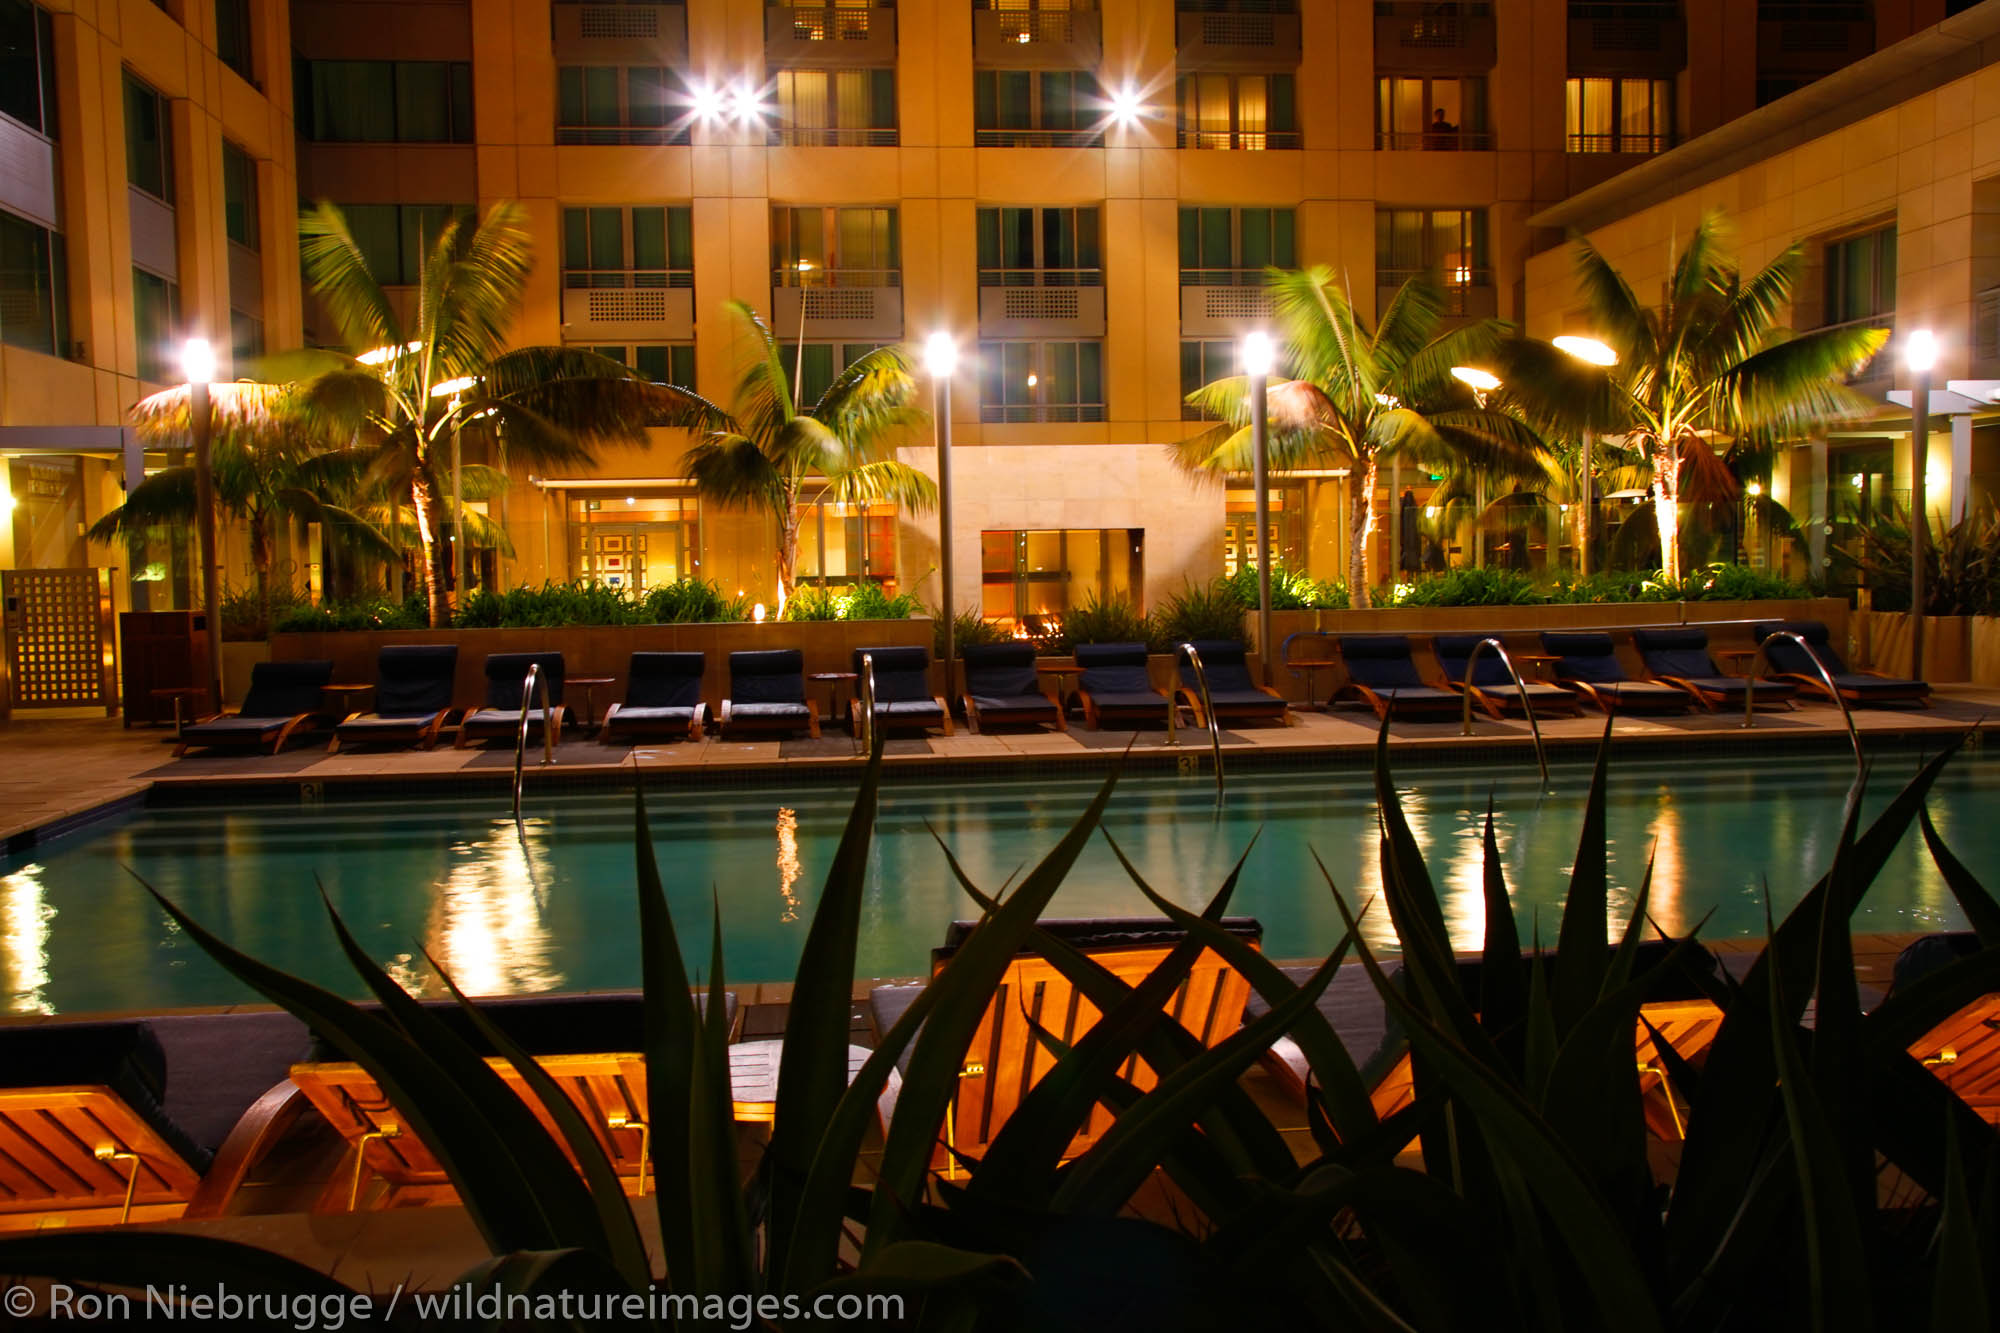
column 1964, row 1051
column 68, row 1154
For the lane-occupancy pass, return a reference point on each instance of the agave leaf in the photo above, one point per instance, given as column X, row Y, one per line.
column 1538, row 1056
column 925, row 1266
column 1836, row 1046
column 1406, row 881
column 137, row 1257
column 723, row 1247
column 1981, row 911
column 812, row 1071
column 497, row 1195
column 1677, row 1072
column 1583, row 953
column 1959, row 1297
column 1502, row 979
column 544, row 1274
column 1626, row 955
column 672, row 1033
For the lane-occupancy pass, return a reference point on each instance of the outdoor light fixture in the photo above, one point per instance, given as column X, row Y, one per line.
column 1920, row 350
column 941, row 355
column 1258, row 353
column 198, row 364
column 449, row 388
column 1480, row 381
column 1127, row 106
column 940, row 361
column 757, row 613
column 631, row 500
column 709, row 103
column 376, row 356
column 198, row 361
column 746, row 107
column 1586, row 349
column 1755, row 488
column 1033, row 379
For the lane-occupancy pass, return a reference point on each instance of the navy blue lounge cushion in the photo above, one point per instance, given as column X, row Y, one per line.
column 664, row 680
column 225, row 730
column 1002, row 675
column 1114, row 675
column 283, row 690
column 1381, row 662
column 767, row 676
column 1786, row 656
column 627, row 715
column 902, row 675
column 1224, row 660
column 1676, row 651
column 125, row 1057
column 1454, row 655
column 505, row 673
column 413, row 681
column 222, row 1063
column 545, row 1024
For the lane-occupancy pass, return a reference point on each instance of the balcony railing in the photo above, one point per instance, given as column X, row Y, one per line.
column 1222, row 277
column 1041, row 277
column 1617, row 143
column 1041, row 412
column 626, row 135
column 829, row 136
column 1211, row 308
column 1070, row 38
column 788, row 275
column 1805, row 11
column 823, row 35
column 1091, row 138
column 1251, row 140
column 1070, row 305
column 1238, row 39
column 612, row 279
column 854, row 304
column 1440, row 141
column 1236, row 6
column 1624, row 11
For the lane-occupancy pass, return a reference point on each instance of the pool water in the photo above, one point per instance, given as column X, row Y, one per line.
column 557, row 911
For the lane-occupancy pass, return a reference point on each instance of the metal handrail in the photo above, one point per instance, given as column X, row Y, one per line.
column 1208, row 707
column 529, row 683
column 864, row 732
column 1527, row 705
column 1763, row 655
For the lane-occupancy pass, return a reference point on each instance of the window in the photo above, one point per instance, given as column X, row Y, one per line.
column 1204, row 363
column 149, row 156
column 1030, row 579
column 827, row 107
column 662, row 363
column 385, row 101
column 1047, row 108
column 394, row 237
column 816, row 367
column 1448, row 242
column 28, row 66
column 34, row 291
column 1231, row 247
column 628, row 247
column 640, row 540
column 1041, row 381
column 860, row 543
column 1607, row 115
column 239, row 195
column 610, row 104
column 232, row 35
column 246, row 336
column 1039, row 247
column 1252, row 111
column 1412, row 112
column 1861, row 278
column 156, row 311
column 841, row 247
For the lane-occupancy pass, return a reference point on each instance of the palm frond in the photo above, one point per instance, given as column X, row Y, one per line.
column 1699, row 268
column 239, row 411
column 731, row 469
column 1407, row 324
column 1324, row 339
column 764, row 393
column 1426, row 374
column 1793, row 386
column 1555, row 392
column 874, row 395
column 886, row 481
column 1753, row 310
column 1615, row 312
column 542, row 439
column 338, row 274
column 479, row 282
column 166, row 497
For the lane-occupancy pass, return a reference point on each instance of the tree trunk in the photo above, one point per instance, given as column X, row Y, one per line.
column 260, row 565
column 422, row 501
column 1666, row 509
column 1361, row 525
column 788, row 557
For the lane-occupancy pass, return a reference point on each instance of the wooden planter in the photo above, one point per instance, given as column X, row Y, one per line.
column 1985, row 642
column 1882, row 643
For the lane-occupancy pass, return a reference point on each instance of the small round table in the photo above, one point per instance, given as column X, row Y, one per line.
column 837, row 685
column 1541, row 662
column 345, row 699
column 1062, row 672
column 196, row 695
column 590, row 686
column 1309, row 665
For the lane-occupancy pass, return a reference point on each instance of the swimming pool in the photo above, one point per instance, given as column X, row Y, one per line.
column 557, row 911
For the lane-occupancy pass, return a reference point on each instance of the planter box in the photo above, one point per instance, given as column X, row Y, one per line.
column 606, row 650
column 237, row 659
column 1985, row 636
column 1882, row 643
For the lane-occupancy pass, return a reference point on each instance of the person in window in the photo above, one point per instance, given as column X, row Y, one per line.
column 1442, row 134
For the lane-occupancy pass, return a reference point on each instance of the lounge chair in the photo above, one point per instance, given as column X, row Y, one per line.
column 1678, row 655
column 283, row 696
column 1964, row 1050
column 500, row 719
column 1858, row 688
column 1112, row 683
column 903, row 697
column 1587, row 661
column 1381, row 672
column 1492, row 688
column 767, row 692
column 662, row 698
column 96, row 1134
column 1006, row 1057
column 1236, row 696
column 593, row 1046
column 413, row 692
column 1002, row 687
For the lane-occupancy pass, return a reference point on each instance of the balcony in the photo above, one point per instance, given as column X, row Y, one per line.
column 861, row 304
column 628, row 305
column 829, row 36
column 1433, row 141
column 1627, row 37
column 153, row 243
column 1249, row 140
column 1472, row 296
column 1036, row 38
column 629, row 34
column 1091, row 138
column 1420, row 36
column 246, row 280
column 1041, row 303
column 1224, row 303
column 28, row 173
column 645, row 136
column 1619, row 142
column 1811, row 39
column 829, row 136
column 1242, row 36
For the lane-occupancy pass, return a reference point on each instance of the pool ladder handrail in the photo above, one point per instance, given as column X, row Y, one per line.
column 864, row 729
column 529, row 684
column 1527, row 705
column 1207, row 706
column 1763, row 655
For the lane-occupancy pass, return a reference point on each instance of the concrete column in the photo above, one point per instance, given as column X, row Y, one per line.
column 1818, row 520
column 1961, row 466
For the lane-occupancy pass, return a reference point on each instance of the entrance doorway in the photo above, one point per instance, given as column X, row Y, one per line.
column 638, row 541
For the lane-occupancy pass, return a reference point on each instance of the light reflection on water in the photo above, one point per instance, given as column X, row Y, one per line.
column 487, row 926
column 25, row 915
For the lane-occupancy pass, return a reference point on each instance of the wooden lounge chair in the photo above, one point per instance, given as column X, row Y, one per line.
column 413, row 693
column 903, row 697
column 1382, row 673
column 591, row 1045
column 1678, row 655
column 1859, row 688
column 1964, row 1050
column 1588, row 663
column 767, row 692
column 1492, row 688
column 1006, row 1059
column 94, row 1133
column 500, row 719
column 662, row 698
column 283, row 696
column 1235, row 695
column 1113, row 685
column 1003, row 688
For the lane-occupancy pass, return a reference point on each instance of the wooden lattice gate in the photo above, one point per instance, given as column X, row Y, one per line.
column 59, row 638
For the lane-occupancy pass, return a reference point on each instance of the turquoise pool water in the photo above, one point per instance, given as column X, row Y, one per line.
column 77, row 934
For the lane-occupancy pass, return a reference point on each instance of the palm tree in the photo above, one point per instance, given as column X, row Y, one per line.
column 449, row 372
column 1359, row 397
column 771, row 447
column 1709, row 367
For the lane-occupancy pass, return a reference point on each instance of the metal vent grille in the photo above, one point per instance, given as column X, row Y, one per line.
column 1612, row 35
column 1238, row 30
column 627, row 307
column 839, row 303
column 1041, row 303
column 619, row 21
column 1236, row 303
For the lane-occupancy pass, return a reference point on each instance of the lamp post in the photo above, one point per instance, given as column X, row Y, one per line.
column 1258, row 355
column 198, row 364
column 1594, row 353
column 452, row 389
column 1920, row 355
column 1481, row 382
column 941, row 362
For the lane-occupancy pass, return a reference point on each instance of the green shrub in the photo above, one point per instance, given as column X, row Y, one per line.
column 811, row 602
column 243, row 610
column 1466, row 587
column 689, row 601
column 362, row 614
column 869, row 601
column 551, row 606
column 1202, row 611
column 1111, row 620
column 1291, row 590
column 966, row 628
